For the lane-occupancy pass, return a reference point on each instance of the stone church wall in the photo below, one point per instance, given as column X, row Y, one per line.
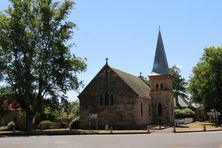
column 125, row 111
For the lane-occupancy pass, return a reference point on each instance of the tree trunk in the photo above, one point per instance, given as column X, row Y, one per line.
column 29, row 121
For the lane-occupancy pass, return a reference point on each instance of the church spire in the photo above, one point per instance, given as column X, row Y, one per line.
column 160, row 65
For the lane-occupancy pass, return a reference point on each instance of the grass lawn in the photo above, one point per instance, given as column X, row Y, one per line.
column 108, row 132
column 3, row 128
column 79, row 131
column 197, row 126
column 192, row 127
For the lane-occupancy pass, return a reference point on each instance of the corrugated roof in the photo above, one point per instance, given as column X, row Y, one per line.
column 135, row 83
column 160, row 65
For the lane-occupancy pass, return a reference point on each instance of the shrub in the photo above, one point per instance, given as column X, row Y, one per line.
column 45, row 124
column 189, row 113
column 74, row 124
column 178, row 114
column 184, row 113
column 11, row 125
column 64, row 125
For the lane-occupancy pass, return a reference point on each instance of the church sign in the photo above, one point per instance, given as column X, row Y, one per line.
column 93, row 116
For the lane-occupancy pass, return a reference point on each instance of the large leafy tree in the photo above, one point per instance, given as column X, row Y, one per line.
column 35, row 57
column 179, row 83
column 206, row 82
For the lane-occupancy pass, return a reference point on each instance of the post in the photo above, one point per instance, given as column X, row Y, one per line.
column 97, row 125
column 174, row 128
column 90, row 124
column 111, row 129
column 13, row 129
column 204, row 128
column 148, row 129
column 159, row 126
column 106, row 127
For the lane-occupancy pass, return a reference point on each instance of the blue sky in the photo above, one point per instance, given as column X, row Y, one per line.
column 126, row 32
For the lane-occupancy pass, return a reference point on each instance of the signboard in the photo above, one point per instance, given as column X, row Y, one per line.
column 213, row 113
column 93, row 116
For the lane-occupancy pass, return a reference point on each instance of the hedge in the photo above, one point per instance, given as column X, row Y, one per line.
column 45, row 124
column 184, row 113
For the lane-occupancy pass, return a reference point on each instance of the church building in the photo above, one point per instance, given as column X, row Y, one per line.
column 125, row 101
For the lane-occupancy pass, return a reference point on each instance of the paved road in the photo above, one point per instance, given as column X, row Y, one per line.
column 166, row 140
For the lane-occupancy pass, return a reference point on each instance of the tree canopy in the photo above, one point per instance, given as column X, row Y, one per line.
column 179, row 83
column 35, row 57
column 205, row 84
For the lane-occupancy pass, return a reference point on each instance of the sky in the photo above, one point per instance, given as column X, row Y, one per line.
column 125, row 31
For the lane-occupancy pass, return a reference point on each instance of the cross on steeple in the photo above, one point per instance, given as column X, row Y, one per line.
column 107, row 61
column 140, row 74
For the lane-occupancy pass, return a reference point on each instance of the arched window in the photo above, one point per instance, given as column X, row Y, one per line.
column 111, row 100
column 159, row 109
column 101, row 100
column 161, row 86
column 141, row 107
column 106, row 98
column 157, row 86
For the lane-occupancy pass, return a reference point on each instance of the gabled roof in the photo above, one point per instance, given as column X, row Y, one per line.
column 185, row 102
column 160, row 65
column 138, row 85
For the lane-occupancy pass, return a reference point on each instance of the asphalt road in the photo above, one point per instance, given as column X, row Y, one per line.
column 166, row 140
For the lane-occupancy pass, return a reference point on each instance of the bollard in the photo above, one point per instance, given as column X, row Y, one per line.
column 111, row 129
column 106, row 127
column 148, row 129
column 97, row 126
column 159, row 126
column 174, row 128
column 13, row 129
column 204, row 128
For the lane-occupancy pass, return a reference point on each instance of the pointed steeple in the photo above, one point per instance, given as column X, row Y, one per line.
column 160, row 65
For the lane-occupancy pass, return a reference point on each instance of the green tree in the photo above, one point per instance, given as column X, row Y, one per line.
column 206, row 82
column 179, row 83
column 51, row 109
column 35, row 58
column 74, row 110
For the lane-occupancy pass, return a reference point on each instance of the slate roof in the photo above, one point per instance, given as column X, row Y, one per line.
column 135, row 83
column 160, row 64
column 184, row 103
